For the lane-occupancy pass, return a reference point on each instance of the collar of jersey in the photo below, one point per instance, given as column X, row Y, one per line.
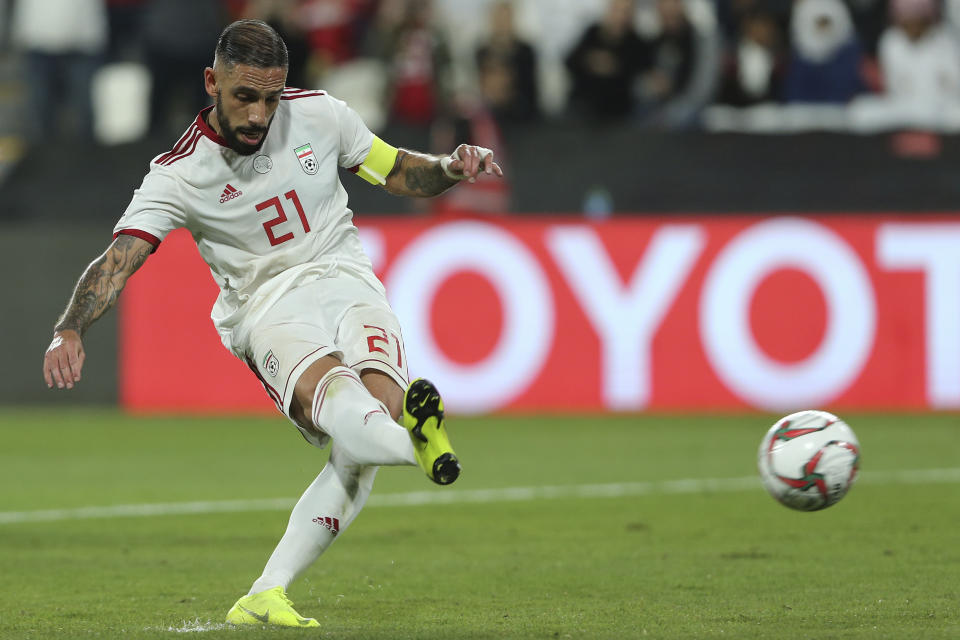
column 207, row 130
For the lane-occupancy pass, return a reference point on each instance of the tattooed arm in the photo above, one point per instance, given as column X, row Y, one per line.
column 96, row 292
column 423, row 175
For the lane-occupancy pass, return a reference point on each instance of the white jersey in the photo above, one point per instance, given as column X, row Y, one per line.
column 266, row 222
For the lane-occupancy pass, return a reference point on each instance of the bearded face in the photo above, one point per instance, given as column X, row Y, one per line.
column 245, row 139
column 247, row 98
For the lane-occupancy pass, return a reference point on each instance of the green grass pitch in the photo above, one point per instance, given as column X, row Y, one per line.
column 609, row 549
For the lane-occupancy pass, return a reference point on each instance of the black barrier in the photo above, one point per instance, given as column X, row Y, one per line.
column 565, row 169
column 43, row 264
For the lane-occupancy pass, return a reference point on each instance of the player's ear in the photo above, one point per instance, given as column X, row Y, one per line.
column 210, row 82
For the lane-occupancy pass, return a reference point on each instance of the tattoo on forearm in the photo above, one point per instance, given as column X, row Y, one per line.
column 423, row 176
column 102, row 282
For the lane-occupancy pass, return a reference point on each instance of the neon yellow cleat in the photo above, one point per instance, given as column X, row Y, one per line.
column 268, row 607
column 423, row 418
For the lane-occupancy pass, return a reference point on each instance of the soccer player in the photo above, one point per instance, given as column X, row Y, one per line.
column 254, row 179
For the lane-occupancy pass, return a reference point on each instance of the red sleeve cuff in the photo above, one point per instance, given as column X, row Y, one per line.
column 143, row 235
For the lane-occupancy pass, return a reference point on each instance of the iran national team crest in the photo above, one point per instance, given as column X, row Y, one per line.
column 271, row 364
column 307, row 159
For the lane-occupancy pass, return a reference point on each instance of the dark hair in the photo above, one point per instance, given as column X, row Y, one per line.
column 251, row 42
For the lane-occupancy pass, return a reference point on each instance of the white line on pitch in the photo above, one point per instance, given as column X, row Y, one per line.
column 473, row 496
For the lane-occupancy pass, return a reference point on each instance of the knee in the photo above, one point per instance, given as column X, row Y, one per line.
column 301, row 405
column 385, row 389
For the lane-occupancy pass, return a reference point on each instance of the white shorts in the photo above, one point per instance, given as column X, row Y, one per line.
column 338, row 315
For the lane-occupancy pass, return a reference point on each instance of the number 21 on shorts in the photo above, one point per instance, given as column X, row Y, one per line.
column 379, row 341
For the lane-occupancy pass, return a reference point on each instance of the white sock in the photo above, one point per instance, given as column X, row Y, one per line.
column 358, row 422
column 325, row 510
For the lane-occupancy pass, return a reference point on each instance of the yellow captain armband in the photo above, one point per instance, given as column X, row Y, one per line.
column 379, row 162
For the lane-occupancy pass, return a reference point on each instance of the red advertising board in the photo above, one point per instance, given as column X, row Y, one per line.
column 680, row 313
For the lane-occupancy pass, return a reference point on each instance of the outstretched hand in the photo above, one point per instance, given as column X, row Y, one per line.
column 63, row 360
column 468, row 161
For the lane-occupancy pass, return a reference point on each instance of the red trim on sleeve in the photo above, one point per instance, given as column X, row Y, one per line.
column 190, row 147
column 179, row 147
column 143, row 235
column 290, row 93
column 354, row 168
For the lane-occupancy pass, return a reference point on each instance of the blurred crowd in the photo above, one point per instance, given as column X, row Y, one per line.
column 489, row 65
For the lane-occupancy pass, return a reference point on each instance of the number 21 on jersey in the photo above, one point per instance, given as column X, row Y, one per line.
column 281, row 217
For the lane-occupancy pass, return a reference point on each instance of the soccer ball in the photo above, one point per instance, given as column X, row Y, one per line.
column 809, row 460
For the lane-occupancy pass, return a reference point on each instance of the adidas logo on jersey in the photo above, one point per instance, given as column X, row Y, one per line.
column 229, row 193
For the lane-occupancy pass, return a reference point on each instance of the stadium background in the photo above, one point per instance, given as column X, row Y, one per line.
column 603, row 246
